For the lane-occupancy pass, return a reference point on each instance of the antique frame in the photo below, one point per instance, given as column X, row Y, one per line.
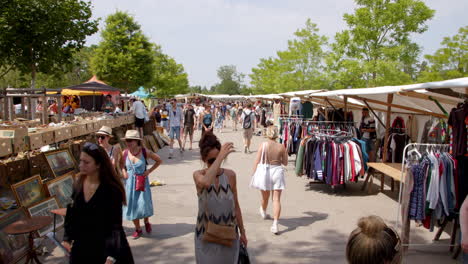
column 43, row 209
column 62, row 189
column 28, row 192
column 12, row 247
column 61, row 162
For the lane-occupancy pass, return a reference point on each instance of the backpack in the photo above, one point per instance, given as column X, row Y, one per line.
column 247, row 121
column 125, row 154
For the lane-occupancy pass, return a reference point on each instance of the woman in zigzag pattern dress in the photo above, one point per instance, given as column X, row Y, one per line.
column 217, row 203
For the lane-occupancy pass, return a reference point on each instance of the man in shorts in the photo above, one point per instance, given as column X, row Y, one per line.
column 189, row 124
column 175, row 124
column 248, row 121
column 138, row 109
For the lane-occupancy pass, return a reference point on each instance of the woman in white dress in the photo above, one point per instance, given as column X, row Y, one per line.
column 269, row 174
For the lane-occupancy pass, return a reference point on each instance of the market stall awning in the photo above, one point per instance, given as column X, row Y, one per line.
column 419, row 98
column 94, row 85
column 141, row 93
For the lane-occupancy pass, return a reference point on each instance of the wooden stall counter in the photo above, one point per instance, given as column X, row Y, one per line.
column 392, row 170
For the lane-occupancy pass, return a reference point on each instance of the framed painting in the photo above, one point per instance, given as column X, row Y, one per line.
column 61, row 162
column 43, row 208
column 62, row 189
column 29, row 191
column 12, row 247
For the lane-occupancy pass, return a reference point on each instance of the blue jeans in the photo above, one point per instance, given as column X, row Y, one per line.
column 175, row 132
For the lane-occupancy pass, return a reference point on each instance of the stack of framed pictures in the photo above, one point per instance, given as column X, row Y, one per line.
column 61, row 162
column 12, row 248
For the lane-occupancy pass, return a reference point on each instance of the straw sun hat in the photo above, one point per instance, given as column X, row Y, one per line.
column 132, row 134
column 105, row 130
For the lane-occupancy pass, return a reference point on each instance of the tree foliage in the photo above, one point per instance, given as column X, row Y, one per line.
column 231, row 80
column 299, row 67
column 450, row 61
column 41, row 35
column 377, row 48
column 169, row 77
column 124, row 57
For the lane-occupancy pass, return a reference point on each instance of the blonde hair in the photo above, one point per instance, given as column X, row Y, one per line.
column 373, row 242
column 272, row 132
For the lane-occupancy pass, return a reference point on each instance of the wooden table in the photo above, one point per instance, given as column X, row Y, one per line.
column 393, row 170
column 30, row 226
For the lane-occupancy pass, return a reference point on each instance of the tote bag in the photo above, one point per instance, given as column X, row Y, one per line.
column 261, row 178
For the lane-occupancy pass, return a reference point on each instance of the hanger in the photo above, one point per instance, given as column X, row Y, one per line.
column 415, row 149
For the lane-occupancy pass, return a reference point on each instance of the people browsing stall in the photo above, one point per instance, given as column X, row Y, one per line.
column 207, row 120
column 373, row 242
column 219, row 219
column 108, row 105
column 234, row 117
column 93, row 223
column 269, row 174
column 134, row 169
column 219, row 121
column 156, row 115
column 189, row 124
column 53, row 108
column 104, row 134
column 138, row 109
column 175, row 124
column 165, row 117
column 248, row 121
column 368, row 133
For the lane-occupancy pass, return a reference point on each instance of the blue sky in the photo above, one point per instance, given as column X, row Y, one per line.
column 205, row 34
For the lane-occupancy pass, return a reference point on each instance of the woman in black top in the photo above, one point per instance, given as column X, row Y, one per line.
column 93, row 224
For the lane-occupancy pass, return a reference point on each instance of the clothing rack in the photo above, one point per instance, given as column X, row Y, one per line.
column 403, row 164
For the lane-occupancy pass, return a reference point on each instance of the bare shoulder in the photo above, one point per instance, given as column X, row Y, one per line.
column 231, row 175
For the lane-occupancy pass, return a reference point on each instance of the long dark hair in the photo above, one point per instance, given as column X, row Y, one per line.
column 208, row 142
column 107, row 173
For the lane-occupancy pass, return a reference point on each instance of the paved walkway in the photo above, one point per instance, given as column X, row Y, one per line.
column 314, row 226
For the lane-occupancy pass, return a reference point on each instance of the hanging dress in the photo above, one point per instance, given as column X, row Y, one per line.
column 217, row 205
column 139, row 204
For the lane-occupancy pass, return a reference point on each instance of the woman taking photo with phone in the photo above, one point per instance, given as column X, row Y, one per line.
column 219, row 220
column 137, row 187
column 93, row 223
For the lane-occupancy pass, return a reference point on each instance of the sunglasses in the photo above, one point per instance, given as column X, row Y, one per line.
column 130, row 140
column 102, row 137
column 88, row 146
column 211, row 161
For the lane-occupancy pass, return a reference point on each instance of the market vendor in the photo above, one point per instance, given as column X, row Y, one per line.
column 108, row 105
column 53, row 109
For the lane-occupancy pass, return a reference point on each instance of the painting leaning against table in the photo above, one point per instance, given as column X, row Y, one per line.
column 43, row 209
column 12, row 247
column 29, row 191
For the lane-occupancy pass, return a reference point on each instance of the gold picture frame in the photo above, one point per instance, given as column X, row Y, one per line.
column 12, row 247
column 28, row 192
column 61, row 162
column 62, row 189
column 43, row 208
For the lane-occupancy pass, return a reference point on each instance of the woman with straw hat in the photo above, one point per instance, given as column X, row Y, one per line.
column 104, row 134
column 137, row 186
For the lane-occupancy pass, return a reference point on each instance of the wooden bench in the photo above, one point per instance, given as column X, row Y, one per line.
column 393, row 170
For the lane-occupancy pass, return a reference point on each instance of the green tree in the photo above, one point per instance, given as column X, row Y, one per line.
column 231, row 80
column 450, row 61
column 40, row 36
column 124, row 56
column 299, row 67
column 169, row 77
column 377, row 49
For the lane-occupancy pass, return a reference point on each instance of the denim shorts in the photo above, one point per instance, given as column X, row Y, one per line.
column 175, row 132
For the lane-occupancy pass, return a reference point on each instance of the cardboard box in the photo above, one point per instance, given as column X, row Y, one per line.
column 34, row 141
column 6, row 147
column 75, row 131
column 62, row 133
column 48, row 136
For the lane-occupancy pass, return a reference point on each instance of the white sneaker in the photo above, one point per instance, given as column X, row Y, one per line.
column 274, row 229
column 263, row 213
